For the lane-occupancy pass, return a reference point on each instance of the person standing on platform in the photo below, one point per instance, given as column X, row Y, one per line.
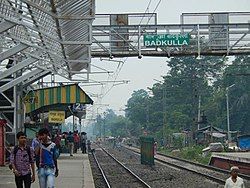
column 83, row 141
column 22, row 162
column 48, row 153
column 58, row 142
column 234, row 181
column 70, row 140
column 76, row 141
column 36, row 144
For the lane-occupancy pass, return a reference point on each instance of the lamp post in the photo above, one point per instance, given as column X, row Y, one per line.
column 100, row 106
column 228, row 119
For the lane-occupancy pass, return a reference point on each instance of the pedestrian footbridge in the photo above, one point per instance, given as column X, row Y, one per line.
column 212, row 34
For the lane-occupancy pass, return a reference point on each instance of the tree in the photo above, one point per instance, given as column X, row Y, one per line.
column 137, row 107
column 119, row 126
column 187, row 79
column 237, row 73
column 114, row 125
column 177, row 96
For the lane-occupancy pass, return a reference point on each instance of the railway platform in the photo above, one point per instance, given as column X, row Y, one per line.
column 227, row 160
column 74, row 172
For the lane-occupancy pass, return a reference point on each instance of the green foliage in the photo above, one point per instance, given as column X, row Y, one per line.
column 178, row 142
column 178, row 119
column 237, row 73
column 193, row 153
column 137, row 107
column 176, row 98
column 114, row 125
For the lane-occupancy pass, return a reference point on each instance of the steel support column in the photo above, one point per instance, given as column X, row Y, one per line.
column 18, row 110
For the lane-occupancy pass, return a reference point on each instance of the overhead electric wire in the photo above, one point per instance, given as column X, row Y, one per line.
column 147, row 9
column 118, row 70
column 120, row 65
column 159, row 2
column 116, row 76
column 100, row 68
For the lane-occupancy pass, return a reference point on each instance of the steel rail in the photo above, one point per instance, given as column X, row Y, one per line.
column 127, row 169
column 246, row 177
column 101, row 170
column 213, row 178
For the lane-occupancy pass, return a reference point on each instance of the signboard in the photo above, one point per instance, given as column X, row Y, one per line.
column 166, row 40
column 56, row 116
column 78, row 107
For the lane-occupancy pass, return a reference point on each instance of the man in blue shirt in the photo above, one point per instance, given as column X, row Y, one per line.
column 48, row 169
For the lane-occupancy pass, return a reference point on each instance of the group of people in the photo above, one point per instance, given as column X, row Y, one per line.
column 73, row 141
column 43, row 154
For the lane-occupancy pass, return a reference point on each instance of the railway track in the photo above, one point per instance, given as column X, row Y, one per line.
column 114, row 173
column 158, row 175
column 212, row 173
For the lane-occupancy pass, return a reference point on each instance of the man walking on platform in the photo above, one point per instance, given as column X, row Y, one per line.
column 58, row 142
column 22, row 162
column 83, row 142
column 70, row 140
column 36, row 144
column 48, row 153
column 76, row 141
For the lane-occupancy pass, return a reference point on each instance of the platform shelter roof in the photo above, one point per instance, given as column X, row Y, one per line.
column 55, row 98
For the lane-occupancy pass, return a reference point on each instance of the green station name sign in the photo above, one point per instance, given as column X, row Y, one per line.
column 166, row 40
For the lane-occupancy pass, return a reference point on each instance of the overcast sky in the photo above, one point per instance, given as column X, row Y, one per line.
column 169, row 11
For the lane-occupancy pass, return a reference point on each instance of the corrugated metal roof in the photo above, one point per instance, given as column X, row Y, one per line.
column 54, row 97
